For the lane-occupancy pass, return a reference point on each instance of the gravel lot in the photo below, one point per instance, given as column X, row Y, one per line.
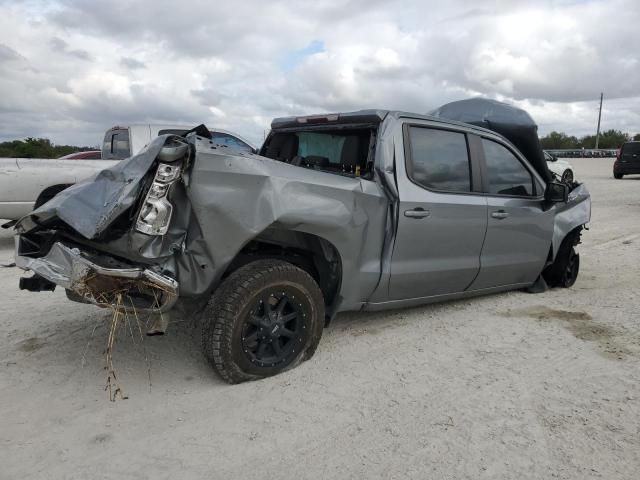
column 510, row 386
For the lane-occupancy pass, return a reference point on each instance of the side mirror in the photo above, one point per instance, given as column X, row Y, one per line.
column 554, row 157
column 556, row 192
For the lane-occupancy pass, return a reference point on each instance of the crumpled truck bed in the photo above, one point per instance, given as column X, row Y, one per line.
column 223, row 202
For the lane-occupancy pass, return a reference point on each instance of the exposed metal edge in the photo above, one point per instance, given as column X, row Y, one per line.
column 67, row 268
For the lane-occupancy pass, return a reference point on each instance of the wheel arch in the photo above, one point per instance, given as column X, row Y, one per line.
column 553, row 250
column 312, row 253
column 50, row 192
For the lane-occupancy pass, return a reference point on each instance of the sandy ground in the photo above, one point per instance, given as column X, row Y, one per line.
column 502, row 387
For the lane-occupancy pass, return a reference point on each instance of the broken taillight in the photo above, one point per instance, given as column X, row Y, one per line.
column 156, row 211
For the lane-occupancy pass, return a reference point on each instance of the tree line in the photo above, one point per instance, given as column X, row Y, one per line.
column 43, row 148
column 609, row 139
column 37, row 148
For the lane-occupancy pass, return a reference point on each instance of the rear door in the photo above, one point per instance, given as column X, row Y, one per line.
column 519, row 228
column 442, row 218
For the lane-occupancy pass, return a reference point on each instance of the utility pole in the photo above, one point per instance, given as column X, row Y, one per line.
column 599, row 116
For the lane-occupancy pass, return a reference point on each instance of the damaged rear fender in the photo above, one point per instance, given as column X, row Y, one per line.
column 239, row 200
column 310, row 252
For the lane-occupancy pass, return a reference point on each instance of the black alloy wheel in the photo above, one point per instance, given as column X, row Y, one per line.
column 567, row 177
column 571, row 270
column 273, row 328
column 266, row 317
column 563, row 272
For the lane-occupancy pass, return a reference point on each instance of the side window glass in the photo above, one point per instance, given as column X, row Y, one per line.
column 506, row 175
column 121, row 145
column 439, row 159
column 230, row 141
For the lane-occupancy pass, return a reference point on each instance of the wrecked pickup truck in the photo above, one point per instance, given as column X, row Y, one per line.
column 366, row 210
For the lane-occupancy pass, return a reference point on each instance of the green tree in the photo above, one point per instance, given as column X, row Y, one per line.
column 608, row 139
column 36, row 148
column 588, row 141
column 636, row 137
column 558, row 140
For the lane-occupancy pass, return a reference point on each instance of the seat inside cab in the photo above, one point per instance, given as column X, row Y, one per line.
column 343, row 151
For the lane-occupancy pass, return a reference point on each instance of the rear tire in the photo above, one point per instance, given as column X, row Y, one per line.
column 617, row 176
column 265, row 318
column 563, row 272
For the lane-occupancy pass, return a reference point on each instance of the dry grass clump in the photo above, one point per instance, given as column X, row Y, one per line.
column 120, row 296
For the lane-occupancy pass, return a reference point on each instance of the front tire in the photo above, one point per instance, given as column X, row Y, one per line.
column 563, row 272
column 617, row 176
column 567, row 177
column 265, row 318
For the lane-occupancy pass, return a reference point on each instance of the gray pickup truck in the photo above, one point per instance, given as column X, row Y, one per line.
column 366, row 210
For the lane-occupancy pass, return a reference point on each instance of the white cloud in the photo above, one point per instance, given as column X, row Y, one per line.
column 69, row 69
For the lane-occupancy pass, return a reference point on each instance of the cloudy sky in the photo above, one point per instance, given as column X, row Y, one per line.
column 70, row 69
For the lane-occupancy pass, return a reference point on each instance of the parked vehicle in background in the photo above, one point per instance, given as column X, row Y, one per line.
column 582, row 153
column 364, row 210
column 122, row 142
column 561, row 168
column 84, row 155
column 27, row 183
column 628, row 160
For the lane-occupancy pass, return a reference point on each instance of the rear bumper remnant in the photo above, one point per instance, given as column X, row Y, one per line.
column 132, row 288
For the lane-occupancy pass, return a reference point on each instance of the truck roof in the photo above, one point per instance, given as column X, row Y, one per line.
column 507, row 121
column 363, row 116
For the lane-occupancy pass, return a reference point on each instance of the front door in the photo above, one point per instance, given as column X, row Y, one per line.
column 442, row 220
column 519, row 228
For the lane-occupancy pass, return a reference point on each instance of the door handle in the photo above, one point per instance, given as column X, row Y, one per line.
column 417, row 213
column 500, row 214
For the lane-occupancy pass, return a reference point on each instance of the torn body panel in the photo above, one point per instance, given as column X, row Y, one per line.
column 576, row 212
column 102, row 285
column 238, row 198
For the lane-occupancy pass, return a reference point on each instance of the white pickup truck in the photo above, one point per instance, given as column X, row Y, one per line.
column 26, row 183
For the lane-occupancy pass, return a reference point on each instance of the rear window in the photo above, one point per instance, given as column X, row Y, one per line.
column 343, row 151
column 320, row 144
column 631, row 148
